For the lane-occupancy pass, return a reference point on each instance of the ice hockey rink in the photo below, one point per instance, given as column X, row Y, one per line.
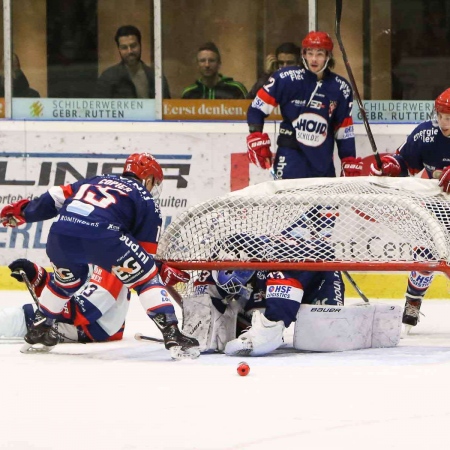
column 131, row 395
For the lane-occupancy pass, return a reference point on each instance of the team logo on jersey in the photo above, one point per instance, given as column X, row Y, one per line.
column 311, row 129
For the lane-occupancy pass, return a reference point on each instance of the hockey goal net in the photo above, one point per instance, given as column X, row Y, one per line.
column 359, row 224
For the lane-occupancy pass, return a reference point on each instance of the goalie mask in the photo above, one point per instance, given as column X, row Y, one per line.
column 143, row 166
column 232, row 281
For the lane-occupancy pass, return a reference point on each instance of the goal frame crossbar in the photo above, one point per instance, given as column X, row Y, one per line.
column 359, row 266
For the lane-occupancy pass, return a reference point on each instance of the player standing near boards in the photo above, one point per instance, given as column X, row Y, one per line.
column 316, row 106
column 427, row 147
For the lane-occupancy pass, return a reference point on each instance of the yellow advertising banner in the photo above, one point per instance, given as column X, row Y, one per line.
column 209, row 110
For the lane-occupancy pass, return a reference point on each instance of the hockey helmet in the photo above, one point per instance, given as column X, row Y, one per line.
column 232, row 281
column 318, row 39
column 442, row 103
column 142, row 166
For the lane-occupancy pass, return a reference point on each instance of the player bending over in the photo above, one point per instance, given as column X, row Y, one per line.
column 96, row 314
column 111, row 221
column 427, row 147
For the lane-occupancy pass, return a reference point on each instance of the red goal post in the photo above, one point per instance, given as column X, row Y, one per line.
column 354, row 224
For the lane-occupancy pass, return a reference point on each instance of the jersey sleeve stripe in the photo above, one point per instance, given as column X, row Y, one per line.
column 59, row 194
column 266, row 98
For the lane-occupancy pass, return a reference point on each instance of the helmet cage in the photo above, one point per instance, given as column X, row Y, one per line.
column 233, row 282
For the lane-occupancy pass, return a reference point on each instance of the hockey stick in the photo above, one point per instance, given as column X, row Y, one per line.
column 355, row 286
column 353, row 84
column 29, row 286
column 142, row 337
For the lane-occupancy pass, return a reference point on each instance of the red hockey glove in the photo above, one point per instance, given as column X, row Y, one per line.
column 444, row 179
column 11, row 215
column 390, row 167
column 352, row 167
column 171, row 276
column 37, row 275
column 258, row 149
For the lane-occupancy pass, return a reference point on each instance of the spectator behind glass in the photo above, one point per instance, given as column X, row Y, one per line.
column 212, row 84
column 287, row 54
column 21, row 87
column 131, row 78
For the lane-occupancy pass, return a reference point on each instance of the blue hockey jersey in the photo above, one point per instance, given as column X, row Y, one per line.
column 425, row 148
column 100, row 207
column 315, row 113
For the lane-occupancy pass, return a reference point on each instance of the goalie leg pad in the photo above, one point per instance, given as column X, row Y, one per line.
column 334, row 328
column 337, row 329
column 204, row 322
column 387, row 325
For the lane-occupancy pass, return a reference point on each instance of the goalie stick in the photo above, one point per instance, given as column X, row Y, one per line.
column 143, row 337
column 355, row 286
column 353, row 84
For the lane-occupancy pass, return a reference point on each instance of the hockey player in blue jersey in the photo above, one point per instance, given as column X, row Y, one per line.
column 96, row 314
column 316, row 106
column 427, row 147
column 113, row 222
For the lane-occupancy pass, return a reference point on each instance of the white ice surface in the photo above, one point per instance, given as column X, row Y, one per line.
column 130, row 395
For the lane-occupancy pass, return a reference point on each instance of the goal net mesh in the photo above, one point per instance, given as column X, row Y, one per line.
column 360, row 223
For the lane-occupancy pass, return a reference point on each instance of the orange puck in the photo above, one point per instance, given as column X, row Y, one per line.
column 243, row 369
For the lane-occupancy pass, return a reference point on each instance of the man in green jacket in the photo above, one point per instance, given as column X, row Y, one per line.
column 211, row 84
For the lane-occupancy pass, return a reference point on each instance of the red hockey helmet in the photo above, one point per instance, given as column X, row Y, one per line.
column 442, row 103
column 142, row 166
column 318, row 39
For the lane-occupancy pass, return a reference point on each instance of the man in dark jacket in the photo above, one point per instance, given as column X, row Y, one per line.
column 20, row 85
column 131, row 78
column 211, row 84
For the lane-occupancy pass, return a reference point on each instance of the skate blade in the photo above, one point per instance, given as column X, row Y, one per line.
column 406, row 330
column 179, row 353
column 36, row 348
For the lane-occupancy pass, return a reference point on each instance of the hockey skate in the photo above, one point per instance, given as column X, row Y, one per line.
column 180, row 345
column 41, row 336
column 261, row 338
column 411, row 314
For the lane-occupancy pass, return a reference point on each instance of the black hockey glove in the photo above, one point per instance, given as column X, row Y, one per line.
column 36, row 274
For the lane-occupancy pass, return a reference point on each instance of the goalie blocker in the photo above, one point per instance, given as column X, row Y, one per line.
column 317, row 329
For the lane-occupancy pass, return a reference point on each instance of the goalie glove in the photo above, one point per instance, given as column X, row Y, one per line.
column 390, row 167
column 171, row 276
column 351, row 167
column 258, row 149
column 11, row 215
column 444, row 180
column 37, row 275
